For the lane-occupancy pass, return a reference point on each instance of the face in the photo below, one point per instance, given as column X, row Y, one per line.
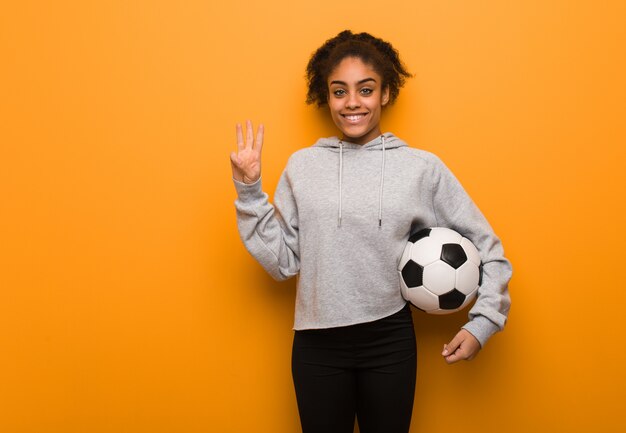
column 356, row 98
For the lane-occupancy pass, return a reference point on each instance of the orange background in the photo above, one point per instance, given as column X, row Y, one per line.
column 128, row 302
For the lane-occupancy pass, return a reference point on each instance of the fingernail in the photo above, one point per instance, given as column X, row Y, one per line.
column 445, row 352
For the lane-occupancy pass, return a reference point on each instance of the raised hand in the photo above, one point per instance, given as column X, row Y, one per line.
column 246, row 162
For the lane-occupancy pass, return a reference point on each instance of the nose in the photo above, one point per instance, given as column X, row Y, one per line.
column 352, row 101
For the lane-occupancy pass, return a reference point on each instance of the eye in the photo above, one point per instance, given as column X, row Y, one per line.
column 339, row 92
column 366, row 91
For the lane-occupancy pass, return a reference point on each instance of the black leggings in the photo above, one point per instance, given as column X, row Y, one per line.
column 366, row 370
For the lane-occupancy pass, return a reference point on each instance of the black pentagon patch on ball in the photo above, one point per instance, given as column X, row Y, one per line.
column 412, row 274
column 451, row 300
column 480, row 274
column 453, row 255
column 419, row 235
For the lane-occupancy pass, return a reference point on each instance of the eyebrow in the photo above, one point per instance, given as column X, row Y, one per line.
column 343, row 83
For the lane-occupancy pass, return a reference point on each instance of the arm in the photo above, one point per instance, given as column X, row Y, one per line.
column 454, row 209
column 270, row 233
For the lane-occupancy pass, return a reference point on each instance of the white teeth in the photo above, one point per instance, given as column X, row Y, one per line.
column 355, row 117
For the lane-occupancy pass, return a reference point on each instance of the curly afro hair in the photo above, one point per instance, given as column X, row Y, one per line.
column 371, row 50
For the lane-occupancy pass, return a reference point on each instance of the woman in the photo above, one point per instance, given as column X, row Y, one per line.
column 343, row 211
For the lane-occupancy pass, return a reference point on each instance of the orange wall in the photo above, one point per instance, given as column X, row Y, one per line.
column 128, row 303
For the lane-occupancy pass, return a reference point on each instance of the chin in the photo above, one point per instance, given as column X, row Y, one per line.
column 355, row 135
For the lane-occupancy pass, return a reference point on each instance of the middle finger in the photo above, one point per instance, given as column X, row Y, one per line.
column 249, row 135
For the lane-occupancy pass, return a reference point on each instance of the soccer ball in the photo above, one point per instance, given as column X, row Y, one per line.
column 440, row 271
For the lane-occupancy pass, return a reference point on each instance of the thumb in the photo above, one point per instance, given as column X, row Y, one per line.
column 452, row 346
column 234, row 159
column 235, row 166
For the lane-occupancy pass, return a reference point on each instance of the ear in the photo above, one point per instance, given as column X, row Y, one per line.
column 384, row 99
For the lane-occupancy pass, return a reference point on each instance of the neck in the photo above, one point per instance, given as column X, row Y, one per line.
column 363, row 139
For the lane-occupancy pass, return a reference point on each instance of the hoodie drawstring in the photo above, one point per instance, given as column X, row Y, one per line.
column 380, row 189
column 340, row 177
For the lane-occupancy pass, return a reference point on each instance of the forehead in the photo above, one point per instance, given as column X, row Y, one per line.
column 352, row 69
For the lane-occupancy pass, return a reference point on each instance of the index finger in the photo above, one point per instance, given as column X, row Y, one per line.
column 239, row 136
column 455, row 357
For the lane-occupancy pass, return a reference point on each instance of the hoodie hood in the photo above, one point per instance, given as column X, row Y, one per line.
column 334, row 143
column 382, row 142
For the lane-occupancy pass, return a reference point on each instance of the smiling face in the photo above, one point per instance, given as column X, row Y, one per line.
column 356, row 97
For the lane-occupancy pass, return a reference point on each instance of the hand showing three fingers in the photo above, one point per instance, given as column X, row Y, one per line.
column 246, row 162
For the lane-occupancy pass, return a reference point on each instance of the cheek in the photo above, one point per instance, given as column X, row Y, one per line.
column 334, row 109
column 379, row 107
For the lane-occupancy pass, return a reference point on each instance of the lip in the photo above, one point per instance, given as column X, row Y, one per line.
column 354, row 118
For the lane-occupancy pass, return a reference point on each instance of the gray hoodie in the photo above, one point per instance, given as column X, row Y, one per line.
column 341, row 218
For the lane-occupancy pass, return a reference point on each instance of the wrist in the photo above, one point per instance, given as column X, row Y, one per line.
column 250, row 181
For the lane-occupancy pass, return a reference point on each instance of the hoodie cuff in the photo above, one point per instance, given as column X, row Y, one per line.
column 481, row 328
column 247, row 191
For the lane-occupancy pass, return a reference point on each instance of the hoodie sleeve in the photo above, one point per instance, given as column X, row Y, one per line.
column 454, row 209
column 269, row 232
